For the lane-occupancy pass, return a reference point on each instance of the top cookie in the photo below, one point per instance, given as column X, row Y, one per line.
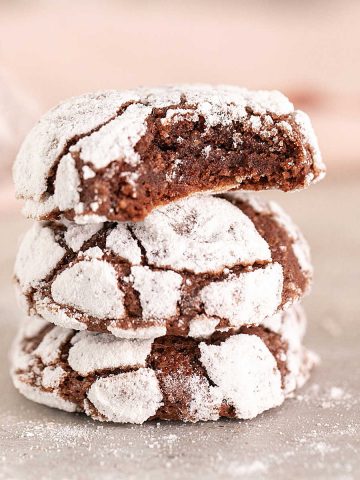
column 118, row 155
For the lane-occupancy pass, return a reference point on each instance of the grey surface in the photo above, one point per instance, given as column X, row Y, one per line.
column 314, row 435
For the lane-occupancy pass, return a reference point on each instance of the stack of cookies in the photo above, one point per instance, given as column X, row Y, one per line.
column 151, row 290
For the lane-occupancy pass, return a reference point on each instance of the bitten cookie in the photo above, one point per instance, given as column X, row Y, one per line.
column 193, row 267
column 172, row 378
column 118, row 155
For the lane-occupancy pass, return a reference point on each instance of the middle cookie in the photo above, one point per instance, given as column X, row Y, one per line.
column 193, row 267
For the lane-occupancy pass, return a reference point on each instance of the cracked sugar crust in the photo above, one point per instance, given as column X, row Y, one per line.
column 201, row 264
column 119, row 155
column 173, row 378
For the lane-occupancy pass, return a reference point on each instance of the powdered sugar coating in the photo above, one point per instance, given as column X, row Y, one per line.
column 201, row 234
column 178, row 114
column 91, row 372
column 91, row 253
column 300, row 246
column 237, row 298
column 52, row 376
column 204, row 398
column 76, row 235
column 38, row 255
column 153, row 285
column 91, row 286
column 49, row 348
column 202, row 326
column 33, row 327
column 141, row 333
column 292, row 327
column 105, row 127
column 50, row 399
column 116, row 139
column 89, row 218
column 91, row 351
column 67, row 184
column 87, row 172
column 130, row 397
column 124, row 265
column 246, row 372
column 303, row 120
column 47, row 140
column 55, row 314
column 123, row 244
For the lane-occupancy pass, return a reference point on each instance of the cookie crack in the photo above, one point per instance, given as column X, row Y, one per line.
column 72, row 141
column 139, row 243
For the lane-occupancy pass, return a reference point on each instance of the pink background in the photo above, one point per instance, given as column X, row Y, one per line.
column 309, row 49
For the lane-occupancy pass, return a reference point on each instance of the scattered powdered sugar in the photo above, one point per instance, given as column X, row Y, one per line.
column 246, row 373
column 123, row 244
column 115, row 140
column 201, row 234
column 237, row 297
column 239, row 469
column 90, row 286
column 159, row 292
column 91, row 351
column 174, row 170
column 38, row 255
column 130, row 397
column 328, row 397
column 49, row 348
column 76, row 235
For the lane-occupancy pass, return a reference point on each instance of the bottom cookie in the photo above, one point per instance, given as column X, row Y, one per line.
column 235, row 375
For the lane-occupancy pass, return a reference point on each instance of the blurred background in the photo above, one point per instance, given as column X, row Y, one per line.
column 308, row 49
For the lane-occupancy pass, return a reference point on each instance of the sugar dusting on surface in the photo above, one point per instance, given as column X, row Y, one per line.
column 172, row 448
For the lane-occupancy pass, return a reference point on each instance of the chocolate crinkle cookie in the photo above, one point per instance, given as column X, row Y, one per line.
column 152, row 289
column 194, row 267
column 171, row 378
column 115, row 156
